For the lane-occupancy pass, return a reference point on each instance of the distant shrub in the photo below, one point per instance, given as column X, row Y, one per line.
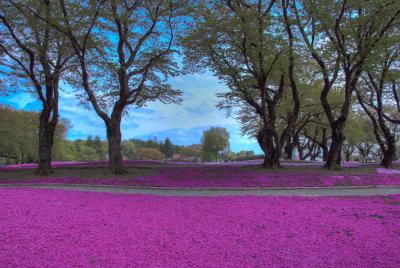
column 149, row 154
column 88, row 154
column 128, row 150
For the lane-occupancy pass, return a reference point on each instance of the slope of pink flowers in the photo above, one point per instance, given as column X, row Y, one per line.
column 227, row 175
column 236, row 178
column 54, row 228
column 214, row 176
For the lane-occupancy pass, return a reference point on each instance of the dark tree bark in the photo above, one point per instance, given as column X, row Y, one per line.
column 114, row 148
column 389, row 155
column 289, row 147
column 299, row 147
column 48, row 118
column 267, row 139
column 46, row 140
column 333, row 156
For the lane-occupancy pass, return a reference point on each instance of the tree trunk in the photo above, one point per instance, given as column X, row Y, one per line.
column 114, row 144
column 334, row 155
column 325, row 151
column 348, row 154
column 390, row 153
column 271, row 161
column 315, row 154
column 46, row 140
column 271, row 154
column 289, row 150
column 299, row 148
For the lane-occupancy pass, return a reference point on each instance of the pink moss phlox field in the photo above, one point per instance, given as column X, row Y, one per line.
column 350, row 164
column 90, row 164
column 388, row 171
column 236, row 178
column 231, row 175
column 55, row 228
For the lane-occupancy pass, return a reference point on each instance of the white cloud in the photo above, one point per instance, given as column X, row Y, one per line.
column 185, row 121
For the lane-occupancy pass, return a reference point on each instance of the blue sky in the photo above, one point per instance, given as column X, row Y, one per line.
column 183, row 123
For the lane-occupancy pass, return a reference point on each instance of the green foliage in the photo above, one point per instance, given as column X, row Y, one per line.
column 149, row 154
column 87, row 153
column 128, row 150
column 213, row 142
column 82, row 150
column 100, row 148
column 167, row 148
column 19, row 135
column 190, row 151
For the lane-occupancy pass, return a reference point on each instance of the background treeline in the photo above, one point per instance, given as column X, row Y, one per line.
column 19, row 136
column 19, row 143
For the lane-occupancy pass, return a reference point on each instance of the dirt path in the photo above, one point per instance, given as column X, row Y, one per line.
column 299, row 191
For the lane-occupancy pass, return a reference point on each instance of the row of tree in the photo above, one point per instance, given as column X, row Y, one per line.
column 296, row 63
column 287, row 63
column 19, row 136
column 19, row 142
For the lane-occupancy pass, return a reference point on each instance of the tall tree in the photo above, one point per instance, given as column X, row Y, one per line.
column 214, row 141
column 248, row 47
column 378, row 96
column 168, row 148
column 353, row 30
column 37, row 56
column 125, row 53
column 98, row 146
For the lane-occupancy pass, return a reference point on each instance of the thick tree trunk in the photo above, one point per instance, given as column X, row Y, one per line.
column 334, row 155
column 390, row 153
column 271, row 153
column 289, row 150
column 325, row 151
column 46, row 140
column 114, row 144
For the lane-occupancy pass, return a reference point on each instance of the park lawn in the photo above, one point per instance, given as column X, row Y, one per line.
column 231, row 175
column 56, row 228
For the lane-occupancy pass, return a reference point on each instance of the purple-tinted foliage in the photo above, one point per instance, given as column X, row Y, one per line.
column 55, row 228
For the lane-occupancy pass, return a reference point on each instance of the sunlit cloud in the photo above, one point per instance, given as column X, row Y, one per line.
column 184, row 123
